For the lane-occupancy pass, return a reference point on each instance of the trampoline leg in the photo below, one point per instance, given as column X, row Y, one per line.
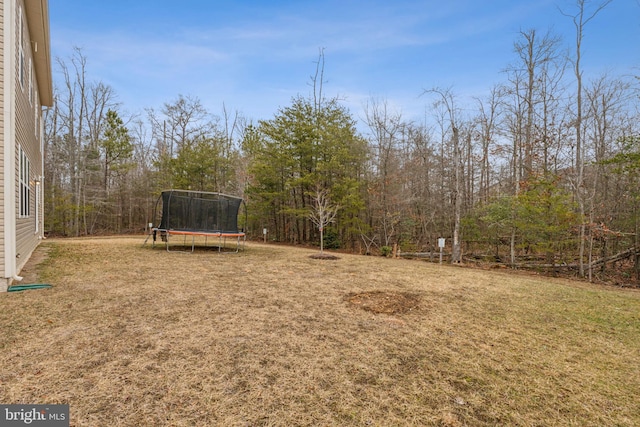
column 184, row 243
column 153, row 242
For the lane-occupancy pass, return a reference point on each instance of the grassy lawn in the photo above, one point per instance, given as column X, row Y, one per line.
column 135, row 336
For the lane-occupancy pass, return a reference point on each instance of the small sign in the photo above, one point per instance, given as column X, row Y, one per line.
column 441, row 242
column 264, row 231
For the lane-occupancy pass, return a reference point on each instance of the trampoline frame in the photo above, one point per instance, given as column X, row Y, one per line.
column 222, row 238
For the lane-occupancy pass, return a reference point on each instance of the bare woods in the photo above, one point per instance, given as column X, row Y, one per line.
column 543, row 170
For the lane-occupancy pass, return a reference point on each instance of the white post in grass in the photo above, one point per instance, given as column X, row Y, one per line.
column 441, row 246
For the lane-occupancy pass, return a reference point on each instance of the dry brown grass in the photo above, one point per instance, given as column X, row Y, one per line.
column 133, row 336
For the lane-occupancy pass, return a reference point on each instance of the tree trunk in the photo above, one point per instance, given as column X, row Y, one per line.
column 456, row 250
column 512, row 248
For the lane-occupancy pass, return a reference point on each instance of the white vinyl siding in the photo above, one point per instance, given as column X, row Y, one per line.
column 4, row 86
column 25, row 85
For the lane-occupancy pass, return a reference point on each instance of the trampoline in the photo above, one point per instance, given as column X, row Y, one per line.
column 198, row 214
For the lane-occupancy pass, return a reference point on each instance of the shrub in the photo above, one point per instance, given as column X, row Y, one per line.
column 385, row 250
column 331, row 240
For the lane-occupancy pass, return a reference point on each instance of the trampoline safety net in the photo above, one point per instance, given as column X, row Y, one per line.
column 199, row 211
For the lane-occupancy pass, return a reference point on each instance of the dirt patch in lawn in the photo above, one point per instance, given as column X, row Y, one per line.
column 387, row 302
column 325, row 256
column 29, row 272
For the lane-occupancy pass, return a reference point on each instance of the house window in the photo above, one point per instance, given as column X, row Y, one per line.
column 37, row 210
column 21, row 64
column 25, row 190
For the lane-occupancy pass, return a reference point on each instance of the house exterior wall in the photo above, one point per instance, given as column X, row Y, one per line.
column 27, row 139
column 25, row 87
column 8, row 24
column 3, row 282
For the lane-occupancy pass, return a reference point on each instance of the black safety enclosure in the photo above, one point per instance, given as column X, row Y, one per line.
column 199, row 211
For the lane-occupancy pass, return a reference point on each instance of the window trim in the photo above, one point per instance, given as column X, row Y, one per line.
column 36, row 121
column 30, row 82
column 21, row 56
column 24, row 185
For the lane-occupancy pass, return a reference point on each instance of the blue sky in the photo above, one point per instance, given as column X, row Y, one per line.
column 256, row 55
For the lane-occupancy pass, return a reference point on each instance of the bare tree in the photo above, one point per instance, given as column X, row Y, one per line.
column 446, row 100
column 72, row 116
column 580, row 19
column 538, row 69
column 186, row 119
column 536, row 55
column 323, row 212
column 386, row 128
column 317, row 82
column 178, row 123
column 488, row 118
column 606, row 99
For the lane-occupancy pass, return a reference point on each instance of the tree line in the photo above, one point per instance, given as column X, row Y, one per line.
column 543, row 169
